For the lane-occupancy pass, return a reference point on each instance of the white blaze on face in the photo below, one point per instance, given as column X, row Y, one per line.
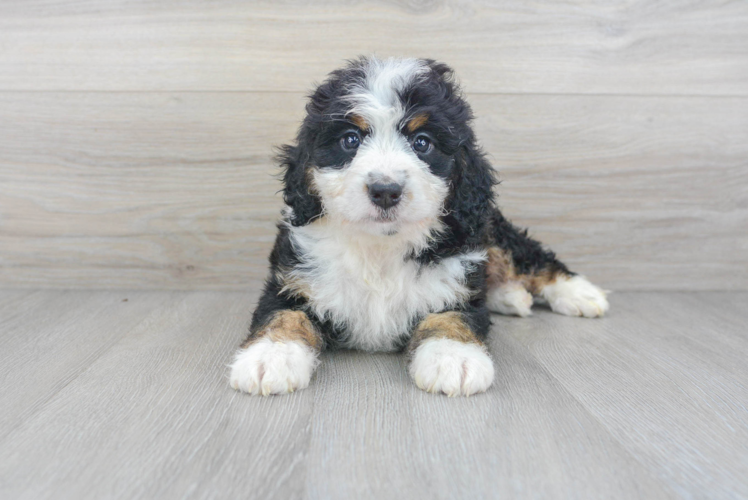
column 385, row 155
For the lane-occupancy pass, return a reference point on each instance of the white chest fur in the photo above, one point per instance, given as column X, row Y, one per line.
column 368, row 288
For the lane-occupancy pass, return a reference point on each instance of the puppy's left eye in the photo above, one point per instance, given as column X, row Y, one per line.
column 422, row 144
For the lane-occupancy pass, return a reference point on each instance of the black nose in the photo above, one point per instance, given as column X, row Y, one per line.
column 385, row 195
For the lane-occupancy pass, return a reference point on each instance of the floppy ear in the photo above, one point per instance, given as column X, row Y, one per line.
column 296, row 191
column 472, row 196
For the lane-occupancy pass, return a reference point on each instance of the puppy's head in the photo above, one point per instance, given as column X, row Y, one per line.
column 386, row 146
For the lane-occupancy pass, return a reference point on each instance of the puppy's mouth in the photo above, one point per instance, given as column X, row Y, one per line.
column 384, row 216
column 386, row 222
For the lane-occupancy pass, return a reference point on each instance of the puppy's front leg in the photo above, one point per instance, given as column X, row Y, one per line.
column 446, row 356
column 279, row 357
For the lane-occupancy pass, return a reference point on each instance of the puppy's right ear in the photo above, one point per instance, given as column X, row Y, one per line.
column 297, row 192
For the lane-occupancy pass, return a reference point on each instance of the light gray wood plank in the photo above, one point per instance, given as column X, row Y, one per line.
column 140, row 190
column 12, row 302
column 53, row 338
column 155, row 418
column 666, row 375
column 175, row 191
column 361, row 444
column 579, row 46
column 375, row 435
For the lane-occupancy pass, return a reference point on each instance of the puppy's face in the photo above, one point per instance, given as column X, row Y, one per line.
column 380, row 147
column 379, row 176
column 379, row 164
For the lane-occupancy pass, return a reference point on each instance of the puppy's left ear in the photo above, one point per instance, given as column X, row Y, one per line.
column 297, row 192
column 472, row 194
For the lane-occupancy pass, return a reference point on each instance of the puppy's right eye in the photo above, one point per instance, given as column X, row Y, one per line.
column 350, row 141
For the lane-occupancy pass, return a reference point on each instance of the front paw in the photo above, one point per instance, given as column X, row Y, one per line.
column 575, row 296
column 269, row 367
column 452, row 367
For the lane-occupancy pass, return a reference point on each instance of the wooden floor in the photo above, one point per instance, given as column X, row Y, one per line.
column 124, row 395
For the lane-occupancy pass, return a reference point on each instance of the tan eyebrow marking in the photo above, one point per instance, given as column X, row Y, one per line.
column 359, row 122
column 417, row 121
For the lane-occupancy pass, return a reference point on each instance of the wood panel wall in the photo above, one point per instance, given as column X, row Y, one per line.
column 136, row 137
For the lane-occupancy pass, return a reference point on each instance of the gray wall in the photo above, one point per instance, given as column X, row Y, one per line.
column 136, row 138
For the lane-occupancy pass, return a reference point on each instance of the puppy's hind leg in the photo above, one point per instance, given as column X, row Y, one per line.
column 510, row 299
column 517, row 260
column 506, row 294
column 574, row 295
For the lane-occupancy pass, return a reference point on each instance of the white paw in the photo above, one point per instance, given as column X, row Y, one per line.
column 454, row 368
column 576, row 296
column 267, row 367
column 511, row 299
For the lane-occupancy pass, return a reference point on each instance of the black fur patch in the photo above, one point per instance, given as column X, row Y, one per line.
column 528, row 255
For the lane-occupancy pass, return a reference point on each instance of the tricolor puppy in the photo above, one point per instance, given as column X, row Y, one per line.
column 391, row 239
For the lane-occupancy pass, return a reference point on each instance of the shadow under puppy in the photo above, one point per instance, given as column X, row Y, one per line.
column 391, row 238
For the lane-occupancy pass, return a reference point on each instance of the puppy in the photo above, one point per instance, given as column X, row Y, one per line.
column 391, row 239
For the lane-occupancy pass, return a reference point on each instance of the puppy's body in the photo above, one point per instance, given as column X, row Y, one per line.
column 391, row 238
column 368, row 289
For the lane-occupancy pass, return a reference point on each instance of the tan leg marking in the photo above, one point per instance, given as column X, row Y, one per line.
column 500, row 270
column 288, row 325
column 447, row 325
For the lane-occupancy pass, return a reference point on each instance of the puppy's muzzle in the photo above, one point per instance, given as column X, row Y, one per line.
column 385, row 195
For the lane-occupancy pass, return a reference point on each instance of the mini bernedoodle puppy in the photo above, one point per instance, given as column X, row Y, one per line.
column 391, row 238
